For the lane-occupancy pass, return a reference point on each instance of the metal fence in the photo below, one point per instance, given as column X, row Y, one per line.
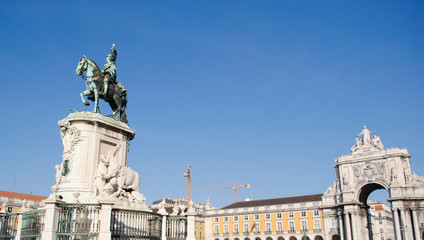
column 8, row 225
column 32, row 224
column 130, row 225
column 78, row 221
column 176, row 227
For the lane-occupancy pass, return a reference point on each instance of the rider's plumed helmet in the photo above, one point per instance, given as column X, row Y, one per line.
column 113, row 53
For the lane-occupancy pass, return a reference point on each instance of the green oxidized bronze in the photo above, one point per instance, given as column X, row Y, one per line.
column 103, row 85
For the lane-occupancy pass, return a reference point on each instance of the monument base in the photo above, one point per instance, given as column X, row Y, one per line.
column 94, row 164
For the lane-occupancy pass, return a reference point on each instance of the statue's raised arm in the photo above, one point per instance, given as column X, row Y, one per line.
column 103, row 85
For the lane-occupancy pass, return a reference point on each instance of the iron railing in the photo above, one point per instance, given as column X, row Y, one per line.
column 8, row 225
column 130, row 224
column 32, row 224
column 78, row 221
column 176, row 227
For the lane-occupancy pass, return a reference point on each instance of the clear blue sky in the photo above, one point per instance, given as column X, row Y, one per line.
column 261, row 92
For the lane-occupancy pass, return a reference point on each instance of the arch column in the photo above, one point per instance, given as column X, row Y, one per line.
column 416, row 224
column 355, row 230
column 396, row 223
column 406, row 223
column 348, row 226
column 341, row 228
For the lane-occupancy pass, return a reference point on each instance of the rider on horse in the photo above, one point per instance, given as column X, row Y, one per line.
column 109, row 69
column 109, row 72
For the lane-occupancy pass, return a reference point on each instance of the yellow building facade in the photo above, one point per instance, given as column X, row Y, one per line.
column 292, row 218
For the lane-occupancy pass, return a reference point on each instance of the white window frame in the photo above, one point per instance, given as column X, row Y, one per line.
column 317, row 224
column 267, row 227
column 280, row 227
column 257, row 227
column 291, row 214
column 279, row 215
column 226, row 229
column 304, row 225
column 292, row 226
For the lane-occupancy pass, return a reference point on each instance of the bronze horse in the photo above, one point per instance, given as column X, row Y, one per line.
column 116, row 95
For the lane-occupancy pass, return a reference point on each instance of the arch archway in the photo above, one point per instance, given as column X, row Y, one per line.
column 365, row 191
column 280, row 238
column 370, row 167
column 293, row 238
column 305, row 238
column 257, row 238
column 318, row 237
column 269, row 238
column 335, row 237
column 236, row 239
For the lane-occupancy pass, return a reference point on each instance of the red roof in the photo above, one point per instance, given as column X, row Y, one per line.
column 22, row 196
column 379, row 207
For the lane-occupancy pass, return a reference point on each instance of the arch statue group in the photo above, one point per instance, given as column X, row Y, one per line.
column 370, row 167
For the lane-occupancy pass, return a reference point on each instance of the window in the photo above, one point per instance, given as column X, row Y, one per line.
column 291, row 226
column 268, row 216
column 236, row 218
column 316, row 213
column 304, row 225
column 303, row 214
column 278, row 215
column 246, row 218
column 225, row 228
column 246, row 228
column 256, row 227
column 280, row 227
column 225, row 219
column 379, row 214
column 268, row 227
column 380, row 221
column 256, row 217
column 216, row 229
column 236, row 230
column 216, row 219
column 381, row 230
column 291, row 214
column 317, row 224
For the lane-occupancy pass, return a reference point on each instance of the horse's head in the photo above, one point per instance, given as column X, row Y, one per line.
column 82, row 66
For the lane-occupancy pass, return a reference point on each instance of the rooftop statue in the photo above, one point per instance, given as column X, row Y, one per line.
column 367, row 142
column 103, row 85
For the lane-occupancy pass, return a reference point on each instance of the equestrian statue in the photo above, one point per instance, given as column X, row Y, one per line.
column 102, row 84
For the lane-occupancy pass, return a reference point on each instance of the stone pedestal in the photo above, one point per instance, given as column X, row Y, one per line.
column 86, row 138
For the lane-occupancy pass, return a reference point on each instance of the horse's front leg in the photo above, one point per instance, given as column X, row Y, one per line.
column 96, row 101
column 85, row 93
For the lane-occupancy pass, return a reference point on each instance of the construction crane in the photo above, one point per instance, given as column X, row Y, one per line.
column 187, row 175
column 233, row 187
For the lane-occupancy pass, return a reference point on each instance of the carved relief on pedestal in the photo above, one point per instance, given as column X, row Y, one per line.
column 115, row 181
column 70, row 138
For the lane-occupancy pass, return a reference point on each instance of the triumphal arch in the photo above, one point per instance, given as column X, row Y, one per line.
column 370, row 167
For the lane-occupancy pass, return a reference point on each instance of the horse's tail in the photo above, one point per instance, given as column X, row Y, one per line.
column 122, row 111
